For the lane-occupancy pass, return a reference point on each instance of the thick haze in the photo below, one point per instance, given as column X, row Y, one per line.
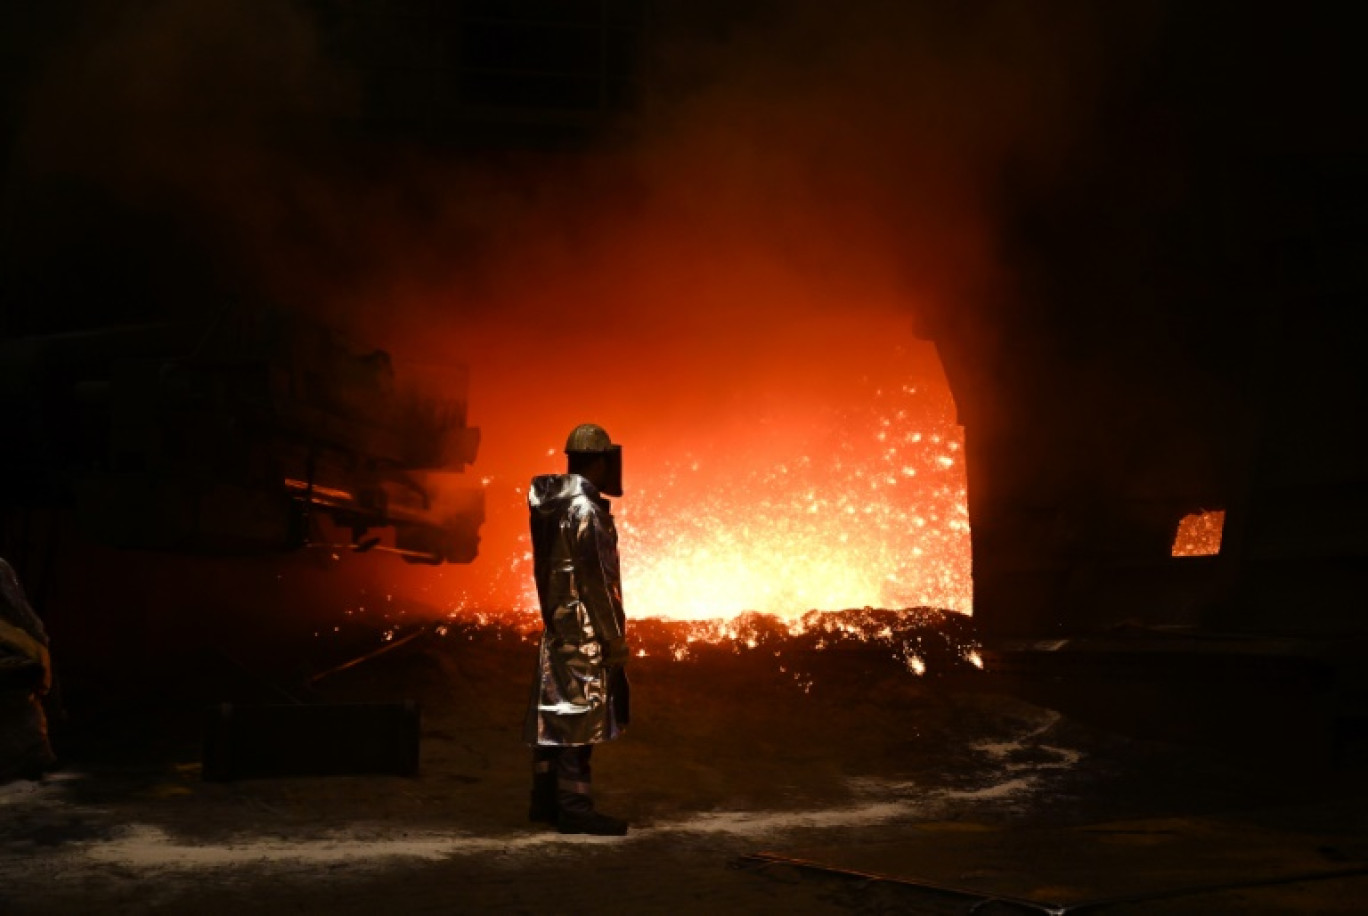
column 807, row 186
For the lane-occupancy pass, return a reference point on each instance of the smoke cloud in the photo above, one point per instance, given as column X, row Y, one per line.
column 807, row 187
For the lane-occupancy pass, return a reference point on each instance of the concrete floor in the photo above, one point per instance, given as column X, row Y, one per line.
column 848, row 760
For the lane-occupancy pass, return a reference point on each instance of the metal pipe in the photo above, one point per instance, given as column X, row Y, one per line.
column 387, row 647
column 766, row 859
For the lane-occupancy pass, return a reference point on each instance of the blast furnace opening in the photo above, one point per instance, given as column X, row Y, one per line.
column 824, row 507
column 825, row 477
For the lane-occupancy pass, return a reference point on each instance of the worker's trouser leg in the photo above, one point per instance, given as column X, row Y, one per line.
column 562, row 779
column 573, row 780
column 543, row 806
column 573, row 805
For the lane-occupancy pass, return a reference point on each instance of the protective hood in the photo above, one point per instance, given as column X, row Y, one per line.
column 590, row 439
column 552, row 494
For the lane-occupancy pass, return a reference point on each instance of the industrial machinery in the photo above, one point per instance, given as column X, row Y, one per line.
column 254, row 430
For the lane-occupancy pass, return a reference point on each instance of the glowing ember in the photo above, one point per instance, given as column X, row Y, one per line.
column 1199, row 534
column 921, row 641
column 873, row 514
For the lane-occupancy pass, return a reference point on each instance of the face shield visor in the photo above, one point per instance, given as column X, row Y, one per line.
column 589, row 441
column 609, row 480
column 612, row 471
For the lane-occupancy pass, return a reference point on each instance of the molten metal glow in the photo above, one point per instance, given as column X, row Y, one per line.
column 919, row 641
column 1199, row 534
column 876, row 517
column 872, row 513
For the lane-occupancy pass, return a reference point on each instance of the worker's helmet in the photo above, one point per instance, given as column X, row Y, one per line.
column 591, row 439
column 588, row 437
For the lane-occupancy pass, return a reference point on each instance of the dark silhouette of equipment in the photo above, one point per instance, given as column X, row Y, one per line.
column 259, row 430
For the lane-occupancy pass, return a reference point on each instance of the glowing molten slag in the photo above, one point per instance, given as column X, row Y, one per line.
column 880, row 520
column 1199, row 534
column 872, row 513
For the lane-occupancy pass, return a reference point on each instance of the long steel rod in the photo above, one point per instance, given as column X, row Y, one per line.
column 1195, row 889
column 766, row 859
column 387, row 647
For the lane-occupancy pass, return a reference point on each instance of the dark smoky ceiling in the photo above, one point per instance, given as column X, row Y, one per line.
column 1131, row 229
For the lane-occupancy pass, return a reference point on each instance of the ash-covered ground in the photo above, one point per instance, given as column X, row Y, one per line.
column 859, row 737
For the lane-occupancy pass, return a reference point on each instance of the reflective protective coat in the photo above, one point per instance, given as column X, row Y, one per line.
column 580, row 692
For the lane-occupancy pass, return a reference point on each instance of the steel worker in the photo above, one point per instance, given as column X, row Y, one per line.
column 580, row 692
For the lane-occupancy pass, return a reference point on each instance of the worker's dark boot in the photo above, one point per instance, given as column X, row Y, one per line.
column 543, row 808
column 576, row 812
column 590, row 822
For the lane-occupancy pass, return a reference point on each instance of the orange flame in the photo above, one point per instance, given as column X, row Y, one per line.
column 876, row 515
column 872, row 512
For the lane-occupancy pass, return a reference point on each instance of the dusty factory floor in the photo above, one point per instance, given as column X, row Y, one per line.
column 753, row 745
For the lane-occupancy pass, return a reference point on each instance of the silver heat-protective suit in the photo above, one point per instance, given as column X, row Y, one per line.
column 580, row 692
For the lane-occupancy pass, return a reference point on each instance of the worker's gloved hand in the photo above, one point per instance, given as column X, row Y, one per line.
column 616, row 652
